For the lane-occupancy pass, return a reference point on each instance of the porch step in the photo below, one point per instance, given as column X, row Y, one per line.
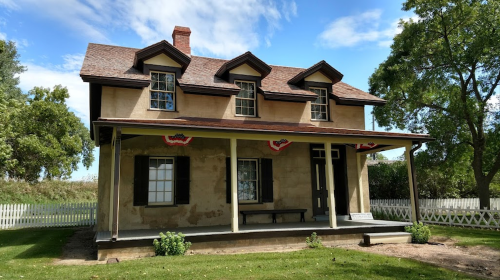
column 387, row 237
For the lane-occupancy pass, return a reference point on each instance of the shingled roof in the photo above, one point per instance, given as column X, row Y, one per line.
column 114, row 64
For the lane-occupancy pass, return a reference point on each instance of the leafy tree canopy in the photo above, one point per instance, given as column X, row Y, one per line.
column 10, row 68
column 441, row 78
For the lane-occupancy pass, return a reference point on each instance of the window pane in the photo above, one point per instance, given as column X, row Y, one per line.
column 238, row 110
column 170, row 78
column 152, row 186
column 170, row 86
column 154, row 85
column 162, row 77
column 153, row 163
column 168, row 174
column 163, row 105
column 251, row 112
column 154, row 76
column 251, row 86
column 244, row 86
column 238, row 84
column 161, row 175
column 251, row 103
column 160, row 186
column 154, row 104
column 154, row 95
column 244, row 111
column 244, row 103
column 169, row 162
column 152, row 197
column 152, row 174
column 238, row 102
column 159, row 197
column 168, row 197
column 162, row 86
column 168, row 186
column 170, row 106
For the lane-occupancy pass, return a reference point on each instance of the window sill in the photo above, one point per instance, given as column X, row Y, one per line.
column 161, row 110
column 160, row 206
column 249, row 203
column 243, row 116
column 320, row 121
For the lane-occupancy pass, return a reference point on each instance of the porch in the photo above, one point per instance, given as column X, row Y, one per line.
column 261, row 230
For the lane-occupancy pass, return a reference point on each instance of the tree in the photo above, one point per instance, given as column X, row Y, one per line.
column 441, row 78
column 46, row 138
column 10, row 68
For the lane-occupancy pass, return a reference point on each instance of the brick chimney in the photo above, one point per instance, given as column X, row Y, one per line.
column 181, row 39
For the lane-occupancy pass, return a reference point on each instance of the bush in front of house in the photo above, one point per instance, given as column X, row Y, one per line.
column 419, row 233
column 171, row 244
column 314, row 241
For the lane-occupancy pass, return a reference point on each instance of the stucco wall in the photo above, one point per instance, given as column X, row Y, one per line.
column 291, row 172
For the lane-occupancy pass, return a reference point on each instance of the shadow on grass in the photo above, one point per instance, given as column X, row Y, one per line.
column 38, row 243
column 469, row 236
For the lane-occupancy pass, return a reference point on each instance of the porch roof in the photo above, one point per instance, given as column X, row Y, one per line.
column 261, row 127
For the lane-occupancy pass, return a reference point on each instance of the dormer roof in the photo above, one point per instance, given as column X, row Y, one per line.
column 247, row 58
column 323, row 67
column 162, row 47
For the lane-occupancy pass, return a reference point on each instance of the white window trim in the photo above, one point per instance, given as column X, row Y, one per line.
column 323, row 150
column 173, row 182
column 173, row 92
column 241, row 98
column 321, row 104
column 257, row 181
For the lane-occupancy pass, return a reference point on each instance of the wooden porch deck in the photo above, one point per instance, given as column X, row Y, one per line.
column 249, row 231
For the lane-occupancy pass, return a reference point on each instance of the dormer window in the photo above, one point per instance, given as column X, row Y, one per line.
column 319, row 107
column 245, row 100
column 162, row 91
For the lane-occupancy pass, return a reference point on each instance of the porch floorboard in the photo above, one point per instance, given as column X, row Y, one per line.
column 342, row 226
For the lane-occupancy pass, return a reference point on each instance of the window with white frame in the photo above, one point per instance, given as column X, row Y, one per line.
column 162, row 91
column 161, row 181
column 248, row 182
column 319, row 107
column 245, row 100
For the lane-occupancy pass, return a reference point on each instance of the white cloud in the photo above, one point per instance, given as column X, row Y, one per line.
column 67, row 75
column 3, row 36
column 219, row 27
column 354, row 30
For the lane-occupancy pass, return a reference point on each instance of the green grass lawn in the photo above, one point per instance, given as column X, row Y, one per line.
column 29, row 253
column 469, row 236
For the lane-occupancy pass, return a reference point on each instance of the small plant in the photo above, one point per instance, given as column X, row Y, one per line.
column 171, row 244
column 314, row 241
column 419, row 233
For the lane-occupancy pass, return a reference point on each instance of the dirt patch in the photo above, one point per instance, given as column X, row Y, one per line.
column 80, row 249
column 477, row 261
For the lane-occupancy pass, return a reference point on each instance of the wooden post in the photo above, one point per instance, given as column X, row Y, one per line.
column 116, row 181
column 361, row 204
column 410, row 183
column 330, row 185
column 234, row 185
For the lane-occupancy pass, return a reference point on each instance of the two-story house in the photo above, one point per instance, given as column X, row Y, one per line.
column 227, row 149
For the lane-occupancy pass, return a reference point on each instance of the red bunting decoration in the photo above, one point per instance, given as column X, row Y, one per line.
column 366, row 146
column 279, row 145
column 177, row 140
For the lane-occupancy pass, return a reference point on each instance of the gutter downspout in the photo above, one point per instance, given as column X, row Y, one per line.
column 414, row 180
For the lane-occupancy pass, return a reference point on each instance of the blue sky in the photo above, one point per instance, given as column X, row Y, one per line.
column 52, row 36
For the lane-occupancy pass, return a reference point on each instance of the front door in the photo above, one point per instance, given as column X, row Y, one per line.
column 319, row 190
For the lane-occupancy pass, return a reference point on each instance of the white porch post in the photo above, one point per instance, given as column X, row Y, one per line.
column 330, row 184
column 361, row 204
column 410, row 183
column 234, row 185
column 115, row 179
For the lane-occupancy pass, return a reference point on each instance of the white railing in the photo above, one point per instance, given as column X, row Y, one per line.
column 47, row 215
column 463, row 203
column 441, row 216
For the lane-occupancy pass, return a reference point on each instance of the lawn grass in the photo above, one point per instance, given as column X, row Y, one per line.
column 48, row 191
column 469, row 236
column 29, row 253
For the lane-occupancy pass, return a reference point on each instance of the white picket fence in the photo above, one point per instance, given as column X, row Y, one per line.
column 464, row 203
column 440, row 215
column 47, row 215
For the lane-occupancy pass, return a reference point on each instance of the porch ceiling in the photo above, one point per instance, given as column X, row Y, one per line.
column 258, row 130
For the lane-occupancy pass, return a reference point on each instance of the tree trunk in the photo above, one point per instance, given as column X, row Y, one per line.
column 483, row 188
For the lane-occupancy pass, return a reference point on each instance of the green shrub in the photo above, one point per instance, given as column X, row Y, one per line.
column 314, row 241
column 419, row 233
column 171, row 244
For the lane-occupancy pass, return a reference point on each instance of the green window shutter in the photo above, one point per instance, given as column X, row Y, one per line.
column 182, row 180
column 266, row 175
column 141, row 180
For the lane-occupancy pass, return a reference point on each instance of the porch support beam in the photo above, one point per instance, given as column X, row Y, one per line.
column 361, row 204
column 330, row 184
column 259, row 136
column 116, row 181
column 410, row 183
column 234, row 185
